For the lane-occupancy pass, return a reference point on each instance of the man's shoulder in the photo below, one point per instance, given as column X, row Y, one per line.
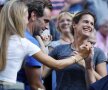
column 31, row 38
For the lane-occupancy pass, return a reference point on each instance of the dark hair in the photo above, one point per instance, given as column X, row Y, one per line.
column 37, row 7
column 79, row 15
column 48, row 4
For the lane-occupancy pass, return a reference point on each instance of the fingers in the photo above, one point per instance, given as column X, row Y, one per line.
column 46, row 37
column 85, row 49
column 74, row 52
column 86, row 45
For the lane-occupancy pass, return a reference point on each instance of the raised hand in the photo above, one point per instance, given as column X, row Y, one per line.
column 85, row 49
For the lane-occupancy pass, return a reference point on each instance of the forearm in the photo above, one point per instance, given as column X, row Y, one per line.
column 42, row 46
column 56, row 64
column 45, row 71
column 33, row 76
column 66, row 62
column 37, row 86
column 101, row 71
column 89, row 76
column 97, row 76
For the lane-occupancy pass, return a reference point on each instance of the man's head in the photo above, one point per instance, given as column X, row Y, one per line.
column 47, row 13
column 45, row 32
column 35, row 11
column 83, row 23
column 36, row 7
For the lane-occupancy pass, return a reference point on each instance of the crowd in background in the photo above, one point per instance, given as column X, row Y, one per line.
column 59, row 28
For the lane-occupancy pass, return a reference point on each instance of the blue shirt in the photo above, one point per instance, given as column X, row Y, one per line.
column 29, row 60
column 75, row 8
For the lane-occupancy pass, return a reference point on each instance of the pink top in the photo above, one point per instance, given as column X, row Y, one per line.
column 102, row 43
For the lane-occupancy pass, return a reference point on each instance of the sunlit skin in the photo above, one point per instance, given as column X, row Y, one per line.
column 44, row 21
column 65, row 23
column 85, row 26
column 45, row 28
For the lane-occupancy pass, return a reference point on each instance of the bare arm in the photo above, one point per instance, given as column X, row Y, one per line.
column 94, row 74
column 33, row 75
column 45, row 70
column 89, row 75
column 83, row 52
column 42, row 46
column 51, row 62
column 101, row 71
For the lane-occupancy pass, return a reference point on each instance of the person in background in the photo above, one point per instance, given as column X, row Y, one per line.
column 73, row 6
column 102, row 37
column 57, row 6
column 15, row 47
column 64, row 22
column 94, row 6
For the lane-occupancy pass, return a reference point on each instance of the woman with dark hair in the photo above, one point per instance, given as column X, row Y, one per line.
column 79, row 75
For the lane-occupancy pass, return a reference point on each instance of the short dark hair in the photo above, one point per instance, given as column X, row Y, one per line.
column 48, row 4
column 79, row 15
column 37, row 7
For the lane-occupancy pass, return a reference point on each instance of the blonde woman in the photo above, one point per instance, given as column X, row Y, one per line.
column 14, row 46
column 64, row 22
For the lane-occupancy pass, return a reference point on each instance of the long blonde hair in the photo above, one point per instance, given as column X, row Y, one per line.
column 11, row 22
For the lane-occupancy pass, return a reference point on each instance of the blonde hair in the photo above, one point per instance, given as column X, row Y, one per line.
column 11, row 22
column 61, row 15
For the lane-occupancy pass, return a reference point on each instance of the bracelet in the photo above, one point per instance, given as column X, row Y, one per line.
column 77, row 58
column 40, row 89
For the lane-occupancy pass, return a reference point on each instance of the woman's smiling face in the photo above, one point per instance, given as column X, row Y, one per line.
column 85, row 26
column 64, row 23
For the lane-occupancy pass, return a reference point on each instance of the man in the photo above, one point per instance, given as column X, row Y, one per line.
column 48, row 33
column 32, row 68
